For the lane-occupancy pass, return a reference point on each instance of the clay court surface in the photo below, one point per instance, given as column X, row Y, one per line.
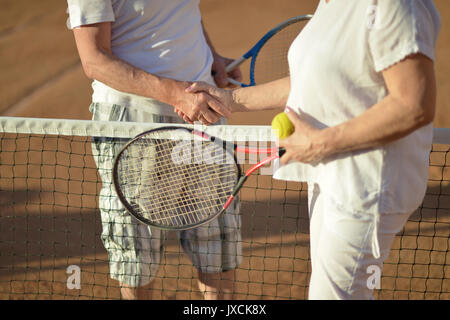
column 46, row 226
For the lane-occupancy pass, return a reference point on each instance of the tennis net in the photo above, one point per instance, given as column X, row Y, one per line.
column 50, row 227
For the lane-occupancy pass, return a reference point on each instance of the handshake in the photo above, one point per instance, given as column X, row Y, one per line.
column 205, row 103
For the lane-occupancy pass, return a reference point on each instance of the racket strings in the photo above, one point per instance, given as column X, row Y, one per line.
column 173, row 191
column 272, row 60
column 178, row 190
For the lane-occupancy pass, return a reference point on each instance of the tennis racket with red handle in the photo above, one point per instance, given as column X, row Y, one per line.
column 177, row 178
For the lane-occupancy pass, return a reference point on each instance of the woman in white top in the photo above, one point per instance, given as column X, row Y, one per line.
column 362, row 98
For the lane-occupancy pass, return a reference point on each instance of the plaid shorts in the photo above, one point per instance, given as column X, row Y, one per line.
column 135, row 250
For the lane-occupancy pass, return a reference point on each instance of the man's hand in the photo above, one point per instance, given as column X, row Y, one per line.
column 219, row 71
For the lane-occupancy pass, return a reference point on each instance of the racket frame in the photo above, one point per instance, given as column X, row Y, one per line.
column 148, row 222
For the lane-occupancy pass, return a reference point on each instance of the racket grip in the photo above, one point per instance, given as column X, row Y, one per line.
column 236, row 83
column 235, row 191
column 231, row 80
column 229, row 201
column 235, row 64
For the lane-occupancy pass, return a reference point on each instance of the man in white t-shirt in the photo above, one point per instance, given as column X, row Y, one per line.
column 141, row 55
column 362, row 97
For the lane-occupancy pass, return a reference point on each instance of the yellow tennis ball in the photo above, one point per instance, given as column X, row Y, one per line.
column 282, row 126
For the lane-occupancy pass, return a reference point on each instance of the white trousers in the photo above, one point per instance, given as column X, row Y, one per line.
column 344, row 265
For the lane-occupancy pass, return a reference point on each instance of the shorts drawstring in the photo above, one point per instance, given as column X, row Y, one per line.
column 375, row 241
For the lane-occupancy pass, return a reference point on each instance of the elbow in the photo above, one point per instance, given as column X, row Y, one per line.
column 93, row 64
column 421, row 108
column 428, row 117
column 88, row 70
column 424, row 102
column 423, row 114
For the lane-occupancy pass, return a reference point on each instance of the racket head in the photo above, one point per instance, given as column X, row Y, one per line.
column 175, row 178
column 269, row 56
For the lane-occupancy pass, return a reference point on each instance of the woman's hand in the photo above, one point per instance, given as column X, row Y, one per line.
column 307, row 144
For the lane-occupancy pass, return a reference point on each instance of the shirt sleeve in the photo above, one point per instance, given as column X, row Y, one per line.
column 402, row 28
column 84, row 12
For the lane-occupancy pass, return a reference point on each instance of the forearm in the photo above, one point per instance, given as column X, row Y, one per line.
column 385, row 122
column 124, row 77
column 272, row 95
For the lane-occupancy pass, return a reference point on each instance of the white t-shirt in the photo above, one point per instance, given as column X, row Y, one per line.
column 335, row 65
column 162, row 37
